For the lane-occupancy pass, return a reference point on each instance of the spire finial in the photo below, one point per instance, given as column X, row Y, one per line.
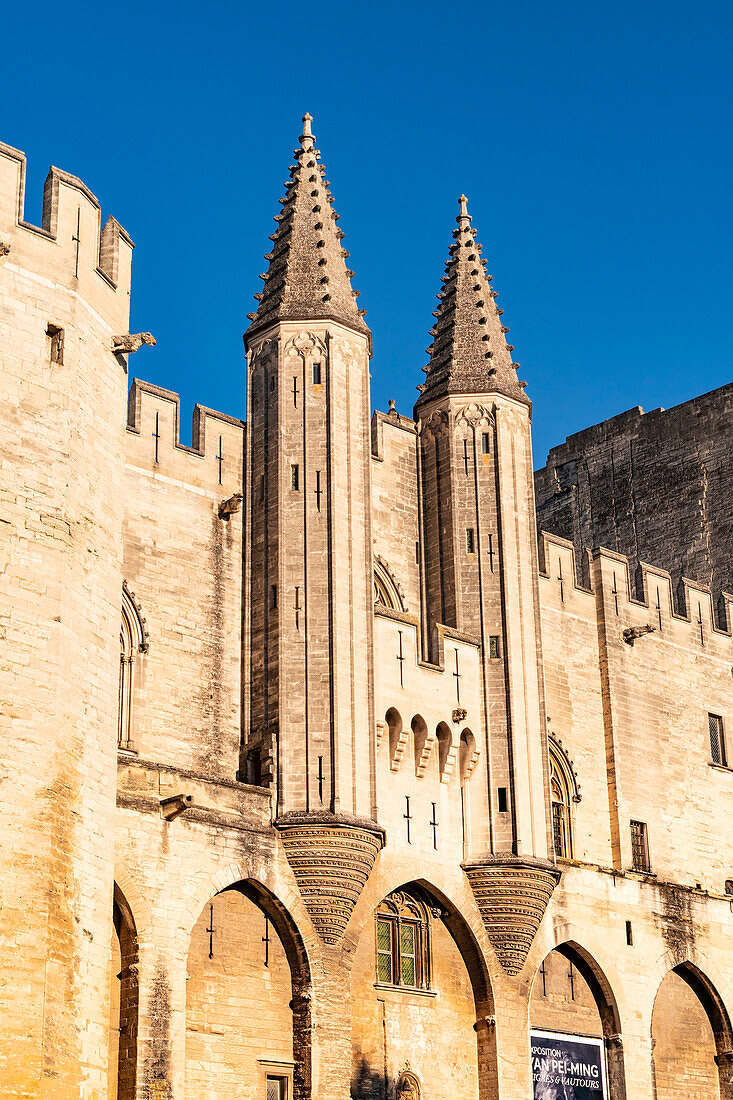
column 307, row 132
column 464, row 206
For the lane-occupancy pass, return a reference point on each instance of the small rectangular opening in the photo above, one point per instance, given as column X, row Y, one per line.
column 273, row 382
column 717, row 739
column 56, row 339
column 277, row 1088
column 295, row 476
column 640, row 847
column 503, row 802
column 494, row 647
column 417, row 552
column 316, row 374
column 273, row 597
column 484, row 443
column 470, row 541
column 629, row 934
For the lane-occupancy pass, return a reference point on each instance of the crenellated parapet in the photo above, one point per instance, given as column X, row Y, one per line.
column 213, row 461
column 643, row 597
column 71, row 247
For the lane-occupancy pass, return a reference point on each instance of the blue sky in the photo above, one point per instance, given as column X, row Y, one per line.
column 594, row 142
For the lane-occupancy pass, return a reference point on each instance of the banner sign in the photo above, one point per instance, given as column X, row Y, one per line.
column 568, row 1067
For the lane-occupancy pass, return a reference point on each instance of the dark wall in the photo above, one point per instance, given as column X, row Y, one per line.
column 655, row 486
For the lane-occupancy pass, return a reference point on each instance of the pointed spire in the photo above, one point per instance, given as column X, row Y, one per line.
column 469, row 352
column 307, row 277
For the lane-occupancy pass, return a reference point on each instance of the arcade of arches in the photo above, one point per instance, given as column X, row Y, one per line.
column 419, row 988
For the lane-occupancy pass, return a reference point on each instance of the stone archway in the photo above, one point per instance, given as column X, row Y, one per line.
column 571, row 993
column 248, row 1015
column 438, row 1030
column 692, row 1040
column 124, row 1002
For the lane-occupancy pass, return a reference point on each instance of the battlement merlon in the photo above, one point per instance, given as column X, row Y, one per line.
column 215, row 460
column 649, row 588
column 70, row 247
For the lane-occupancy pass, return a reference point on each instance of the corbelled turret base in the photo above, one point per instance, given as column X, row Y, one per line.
column 331, row 858
column 512, row 894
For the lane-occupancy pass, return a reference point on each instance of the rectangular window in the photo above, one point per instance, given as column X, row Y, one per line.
column 56, row 338
column 470, row 541
column 294, row 477
column 484, row 443
column 273, row 597
column 717, row 740
column 558, row 829
column 316, row 374
column 408, row 961
column 384, row 951
column 639, row 847
column 503, row 804
column 629, row 934
column 277, row 1088
column 494, row 647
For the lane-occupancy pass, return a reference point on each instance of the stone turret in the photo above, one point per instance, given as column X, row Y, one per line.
column 309, row 718
column 480, row 578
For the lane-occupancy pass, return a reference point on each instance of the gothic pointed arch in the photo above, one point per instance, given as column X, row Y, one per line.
column 571, row 993
column 134, row 641
column 564, row 793
column 388, row 591
column 124, row 1000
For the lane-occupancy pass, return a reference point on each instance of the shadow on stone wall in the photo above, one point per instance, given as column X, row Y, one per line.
column 368, row 1084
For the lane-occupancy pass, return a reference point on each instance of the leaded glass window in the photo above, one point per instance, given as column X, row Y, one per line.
column 403, row 944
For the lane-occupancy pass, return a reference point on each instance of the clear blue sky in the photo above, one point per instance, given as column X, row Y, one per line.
column 594, row 142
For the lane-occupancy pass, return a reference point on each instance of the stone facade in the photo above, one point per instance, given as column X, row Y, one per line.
column 322, row 776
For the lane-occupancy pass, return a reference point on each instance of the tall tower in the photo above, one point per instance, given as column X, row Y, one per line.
column 480, row 576
column 309, row 550
column 64, row 292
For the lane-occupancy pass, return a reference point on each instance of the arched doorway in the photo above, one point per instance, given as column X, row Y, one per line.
column 571, row 996
column 691, row 1039
column 423, row 1013
column 122, row 1064
column 247, row 1001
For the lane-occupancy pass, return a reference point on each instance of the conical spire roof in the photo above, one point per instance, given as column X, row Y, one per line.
column 469, row 353
column 307, row 277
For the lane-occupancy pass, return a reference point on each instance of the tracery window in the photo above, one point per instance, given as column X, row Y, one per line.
column 563, row 792
column 133, row 641
column 403, row 942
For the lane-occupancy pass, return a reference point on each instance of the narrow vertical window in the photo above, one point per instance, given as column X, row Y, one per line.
column 717, row 740
column 484, row 443
column 639, row 847
column 494, row 647
column 273, row 382
column 273, row 597
column 316, row 374
column 503, row 804
column 56, row 339
column 294, row 477
column 470, row 541
column 629, row 934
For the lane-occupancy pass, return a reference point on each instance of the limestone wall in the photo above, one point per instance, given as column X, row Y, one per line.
column 184, row 564
column 64, row 292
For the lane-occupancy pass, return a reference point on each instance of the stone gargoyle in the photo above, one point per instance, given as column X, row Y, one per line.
column 126, row 345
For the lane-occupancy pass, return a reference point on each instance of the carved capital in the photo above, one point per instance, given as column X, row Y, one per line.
column 512, row 895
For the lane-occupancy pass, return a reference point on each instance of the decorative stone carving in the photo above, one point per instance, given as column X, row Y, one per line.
column 473, row 413
column 230, row 506
column 304, row 343
column 126, row 345
column 512, row 895
column 331, row 860
column 4, row 249
column 633, row 633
